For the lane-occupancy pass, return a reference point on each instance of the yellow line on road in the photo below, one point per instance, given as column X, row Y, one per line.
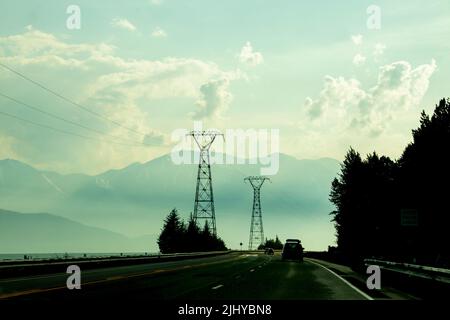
column 116, row 278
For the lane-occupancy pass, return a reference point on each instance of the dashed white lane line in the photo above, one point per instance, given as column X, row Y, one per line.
column 251, row 270
column 345, row 281
column 217, row 287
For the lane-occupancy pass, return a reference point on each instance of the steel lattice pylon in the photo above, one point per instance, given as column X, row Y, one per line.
column 256, row 226
column 204, row 198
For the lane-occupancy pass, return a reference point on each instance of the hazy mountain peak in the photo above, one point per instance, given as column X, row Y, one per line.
column 135, row 200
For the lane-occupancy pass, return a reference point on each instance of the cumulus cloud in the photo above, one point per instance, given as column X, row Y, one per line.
column 379, row 50
column 343, row 102
column 215, row 99
column 111, row 76
column 123, row 24
column 124, row 90
column 37, row 47
column 337, row 93
column 159, row 33
column 357, row 39
column 359, row 59
column 250, row 57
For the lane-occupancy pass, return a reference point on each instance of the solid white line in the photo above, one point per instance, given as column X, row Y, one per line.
column 345, row 281
column 217, row 287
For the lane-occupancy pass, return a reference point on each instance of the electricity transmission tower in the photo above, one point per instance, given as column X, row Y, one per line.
column 204, row 198
column 256, row 226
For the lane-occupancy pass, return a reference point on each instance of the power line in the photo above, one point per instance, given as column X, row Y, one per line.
column 66, row 132
column 69, row 100
column 66, row 120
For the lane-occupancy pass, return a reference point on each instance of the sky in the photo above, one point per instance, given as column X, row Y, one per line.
column 328, row 75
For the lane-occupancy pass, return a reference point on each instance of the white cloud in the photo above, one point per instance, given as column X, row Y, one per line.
column 37, row 47
column 357, row 39
column 110, row 74
column 159, row 33
column 337, row 94
column 379, row 50
column 123, row 24
column 215, row 99
column 343, row 104
column 250, row 57
column 359, row 59
column 123, row 90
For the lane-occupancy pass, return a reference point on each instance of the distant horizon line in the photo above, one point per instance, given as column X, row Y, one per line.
column 25, row 163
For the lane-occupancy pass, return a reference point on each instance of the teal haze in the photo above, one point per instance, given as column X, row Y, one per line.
column 133, row 201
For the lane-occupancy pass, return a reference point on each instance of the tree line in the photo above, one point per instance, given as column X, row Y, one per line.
column 398, row 209
column 271, row 243
column 177, row 236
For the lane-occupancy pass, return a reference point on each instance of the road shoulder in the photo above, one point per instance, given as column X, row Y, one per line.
column 359, row 281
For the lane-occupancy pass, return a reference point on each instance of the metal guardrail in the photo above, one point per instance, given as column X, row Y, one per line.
column 427, row 272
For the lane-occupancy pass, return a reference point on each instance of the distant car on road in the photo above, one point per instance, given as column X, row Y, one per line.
column 292, row 250
column 269, row 251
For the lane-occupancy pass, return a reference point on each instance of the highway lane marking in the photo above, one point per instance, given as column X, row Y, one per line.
column 91, row 271
column 64, row 275
column 21, row 293
column 345, row 281
column 251, row 270
column 115, row 278
column 217, row 287
column 34, row 278
column 56, row 275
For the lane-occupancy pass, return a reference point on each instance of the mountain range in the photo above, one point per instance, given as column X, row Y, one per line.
column 47, row 233
column 133, row 201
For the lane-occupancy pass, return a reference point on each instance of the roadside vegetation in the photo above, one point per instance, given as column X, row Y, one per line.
column 177, row 236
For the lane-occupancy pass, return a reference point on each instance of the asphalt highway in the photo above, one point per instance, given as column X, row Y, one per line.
column 234, row 276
